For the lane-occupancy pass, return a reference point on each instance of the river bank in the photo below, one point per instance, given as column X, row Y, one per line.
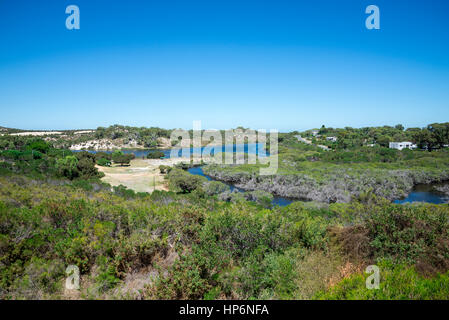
column 325, row 184
column 336, row 186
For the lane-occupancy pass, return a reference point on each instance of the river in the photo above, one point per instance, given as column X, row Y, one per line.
column 251, row 148
column 279, row 201
column 420, row 193
column 424, row 193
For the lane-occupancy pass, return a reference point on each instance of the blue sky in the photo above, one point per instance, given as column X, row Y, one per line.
column 286, row 65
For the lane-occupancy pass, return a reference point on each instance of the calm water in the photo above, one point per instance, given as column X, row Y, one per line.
column 424, row 193
column 279, row 201
column 251, row 148
column 421, row 193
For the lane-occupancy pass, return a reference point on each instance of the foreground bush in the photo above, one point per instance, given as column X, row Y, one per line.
column 193, row 246
column 398, row 282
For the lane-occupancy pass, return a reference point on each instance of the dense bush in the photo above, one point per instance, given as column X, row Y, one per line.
column 155, row 155
column 201, row 248
column 122, row 158
column 82, row 165
column 103, row 155
column 67, row 167
column 398, row 282
column 164, row 169
column 104, row 162
column 214, row 187
column 37, row 157
column 262, row 197
column 182, row 181
column 146, row 137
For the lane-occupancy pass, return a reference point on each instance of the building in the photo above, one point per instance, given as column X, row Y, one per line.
column 315, row 133
column 333, row 139
column 402, row 145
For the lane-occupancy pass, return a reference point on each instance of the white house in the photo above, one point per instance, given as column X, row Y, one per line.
column 402, row 145
column 333, row 139
column 314, row 133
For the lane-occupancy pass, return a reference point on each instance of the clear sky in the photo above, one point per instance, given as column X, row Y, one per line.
column 287, row 65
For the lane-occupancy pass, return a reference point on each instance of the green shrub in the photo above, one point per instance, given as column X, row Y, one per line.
column 214, row 187
column 103, row 155
column 155, row 155
column 67, row 167
column 397, row 282
column 38, row 145
column 121, row 158
column 164, row 169
column 415, row 234
column 104, row 162
column 261, row 197
column 198, row 247
column 184, row 182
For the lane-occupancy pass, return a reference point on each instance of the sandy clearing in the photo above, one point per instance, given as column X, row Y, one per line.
column 36, row 133
column 141, row 176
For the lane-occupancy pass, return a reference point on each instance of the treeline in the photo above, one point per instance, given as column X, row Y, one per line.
column 433, row 136
column 146, row 137
column 378, row 154
column 34, row 156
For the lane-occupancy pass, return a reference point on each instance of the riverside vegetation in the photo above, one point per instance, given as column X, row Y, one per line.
column 345, row 172
column 197, row 241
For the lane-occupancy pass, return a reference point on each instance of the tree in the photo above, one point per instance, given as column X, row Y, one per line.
column 155, row 155
column 150, row 141
column 440, row 133
column 67, row 167
column 116, row 153
column 184, row 182
column 121, row 158
column 38, row 145
column 424, row 139
column 323, row 130
column 104, row 162
column 103, row 155
column 85, row 155
column 100, row 133
column 86, row 168
column 215, row 187
column 383, row 141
